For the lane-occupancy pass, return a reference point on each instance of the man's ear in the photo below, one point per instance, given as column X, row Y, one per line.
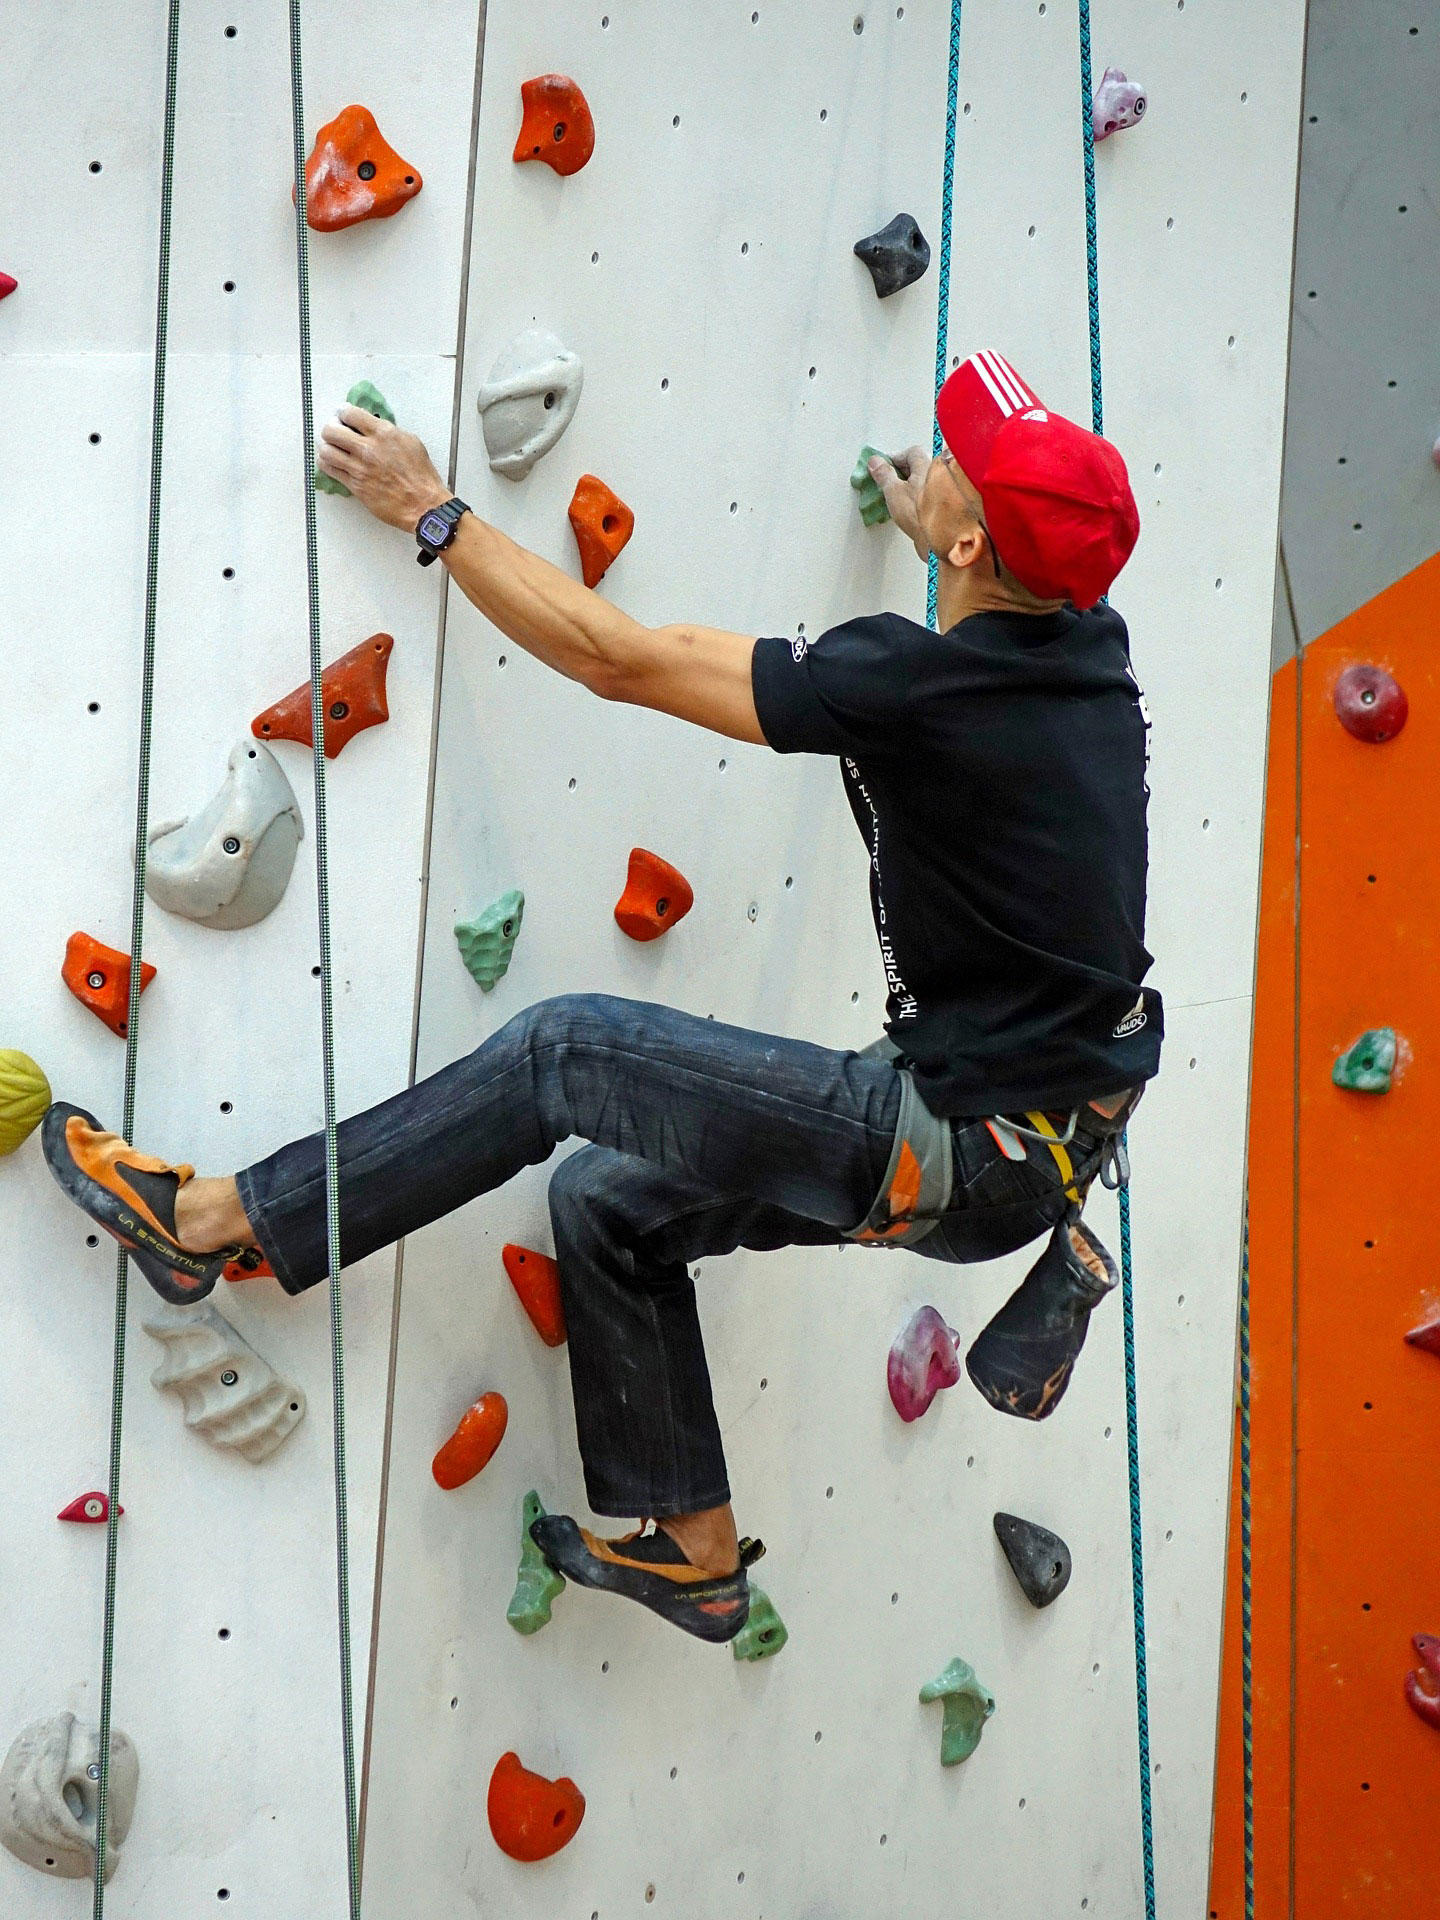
column 968, row 546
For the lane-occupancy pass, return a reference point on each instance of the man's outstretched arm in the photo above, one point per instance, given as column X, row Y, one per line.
column 697, row 673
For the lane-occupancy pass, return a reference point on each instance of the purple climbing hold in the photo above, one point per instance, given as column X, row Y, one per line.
column 1370, row 704
column 1116, row 103
column 922, row 1361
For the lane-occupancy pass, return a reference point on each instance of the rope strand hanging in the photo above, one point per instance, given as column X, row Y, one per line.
column 327, row 998
column 1132, row 1419
column 137, row 935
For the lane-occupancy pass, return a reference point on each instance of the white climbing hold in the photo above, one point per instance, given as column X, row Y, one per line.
column 228, row 865
column 232, row 1397
column 528, row 401
column 50, row 1792
column 1116, row 103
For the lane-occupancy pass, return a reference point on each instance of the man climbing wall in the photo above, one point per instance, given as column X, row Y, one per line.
column 996, row 770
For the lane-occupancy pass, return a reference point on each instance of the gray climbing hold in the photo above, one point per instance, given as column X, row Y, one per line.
column 528, row 401
column 1039, row 1559
column 232, row 1397
column 362, row 394
column 50, row 1793
column 228, row 865
column 897, row 255
column 487, row 942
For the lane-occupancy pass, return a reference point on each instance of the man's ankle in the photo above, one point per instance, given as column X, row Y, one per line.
column 209, row 1216
column 708, row 1539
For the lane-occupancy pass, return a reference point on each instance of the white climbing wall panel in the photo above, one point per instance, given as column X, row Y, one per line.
column 735, row 360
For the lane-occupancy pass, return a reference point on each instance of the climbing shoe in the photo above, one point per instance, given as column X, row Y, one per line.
column 132, row 1196
column 650, row 1568
column 1023, row 1359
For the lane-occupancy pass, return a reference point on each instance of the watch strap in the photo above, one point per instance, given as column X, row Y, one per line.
column 450, row 512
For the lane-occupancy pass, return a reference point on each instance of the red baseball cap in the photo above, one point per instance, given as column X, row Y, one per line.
column 1057, row 498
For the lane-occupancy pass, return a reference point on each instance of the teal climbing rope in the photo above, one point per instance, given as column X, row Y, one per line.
column 1247, row 1718
column 327, row 997
column 137, row 937
column 1132, row 1420
column 942, row 328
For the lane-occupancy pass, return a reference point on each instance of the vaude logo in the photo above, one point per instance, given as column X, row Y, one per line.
column 797, row 647
column 1133, row 1021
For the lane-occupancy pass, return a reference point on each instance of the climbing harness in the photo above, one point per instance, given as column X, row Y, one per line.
column 137, row 937
column 920, row 1173
column 1122, row 1169
column 137, row 927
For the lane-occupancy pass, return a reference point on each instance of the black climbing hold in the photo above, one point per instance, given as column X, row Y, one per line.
column 897, row 255
column 1039, row 1559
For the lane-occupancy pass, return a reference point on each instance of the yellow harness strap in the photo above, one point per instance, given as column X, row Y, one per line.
column 1062, row 1158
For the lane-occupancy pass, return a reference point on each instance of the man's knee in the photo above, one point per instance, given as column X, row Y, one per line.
column 566, row 1017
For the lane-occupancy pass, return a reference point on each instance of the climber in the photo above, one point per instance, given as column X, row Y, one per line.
column 996, row 769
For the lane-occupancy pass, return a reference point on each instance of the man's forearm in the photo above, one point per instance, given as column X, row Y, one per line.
column 540, row 608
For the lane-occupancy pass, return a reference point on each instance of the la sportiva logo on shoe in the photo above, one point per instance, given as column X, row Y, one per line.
column 1133, row 1021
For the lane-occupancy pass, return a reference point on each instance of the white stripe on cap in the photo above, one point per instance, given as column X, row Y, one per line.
column 1001, row 399
column 1011, row 380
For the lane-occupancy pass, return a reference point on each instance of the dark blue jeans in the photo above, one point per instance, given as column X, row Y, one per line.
column 703, row 1137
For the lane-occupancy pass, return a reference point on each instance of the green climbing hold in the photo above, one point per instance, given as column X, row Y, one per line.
column 967, row 1707
column 538, row 1583
column 362, row 394
column 487, row 942
column 1367, row 1067
column 763, row 1632
column 873, row 510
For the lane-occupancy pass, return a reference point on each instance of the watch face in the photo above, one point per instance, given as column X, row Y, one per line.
column 434, row 527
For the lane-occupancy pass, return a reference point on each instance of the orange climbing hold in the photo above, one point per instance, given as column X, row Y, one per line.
column 557, row 126
column 603, row 525
column 354, row 693
column 656, row 896
column 536, row 1278
column 354, row 174
column 249, row 1265
column 99, row 978
column 531, row 1817
column 472, row 1445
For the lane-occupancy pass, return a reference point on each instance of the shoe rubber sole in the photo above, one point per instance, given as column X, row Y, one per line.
column 559, row 1540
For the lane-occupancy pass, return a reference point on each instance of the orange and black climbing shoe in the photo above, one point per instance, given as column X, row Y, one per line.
column 650, row 1568
column 132, row 1196
column 1022, row 1361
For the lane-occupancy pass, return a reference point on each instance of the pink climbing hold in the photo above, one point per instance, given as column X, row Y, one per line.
column 7, row 286
column 1115, row 104
column 1370, row 704
column 1422, row 1688
column 90, row 1509
column 922, row 1361
column 1427, row 1334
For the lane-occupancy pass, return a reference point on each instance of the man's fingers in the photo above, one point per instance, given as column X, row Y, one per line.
column 881, row 469
column 358, row 420
column 913, row 462
column 339, row 433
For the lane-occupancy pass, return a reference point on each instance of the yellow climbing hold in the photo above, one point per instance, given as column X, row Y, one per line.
column 24, row 1096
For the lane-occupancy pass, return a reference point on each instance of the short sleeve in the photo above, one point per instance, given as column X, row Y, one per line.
column 846, row 692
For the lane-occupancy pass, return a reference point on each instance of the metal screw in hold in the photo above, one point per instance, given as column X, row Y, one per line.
column 229, row 1378
column 231, row 844
column 366, row 170
column 95, row 981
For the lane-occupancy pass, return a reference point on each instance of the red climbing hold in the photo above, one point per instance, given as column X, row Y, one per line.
column 557, row 126
column 91, row 1510
column 99, row 978
column 531, row 1817
column 536, row 1278
column 354, row 174
column 7, row 286
column 472, row 1445
column 603, row 524
column 923, row 1360
column 353, row 688
column 656, row 896
column 1427, row 1334
column 1422, row 1688
column 1370, row 704
column 249, row 1265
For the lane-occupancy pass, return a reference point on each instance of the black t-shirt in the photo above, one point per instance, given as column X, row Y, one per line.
column 997, row 775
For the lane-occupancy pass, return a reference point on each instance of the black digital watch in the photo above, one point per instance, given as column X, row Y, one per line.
column 437, row 529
